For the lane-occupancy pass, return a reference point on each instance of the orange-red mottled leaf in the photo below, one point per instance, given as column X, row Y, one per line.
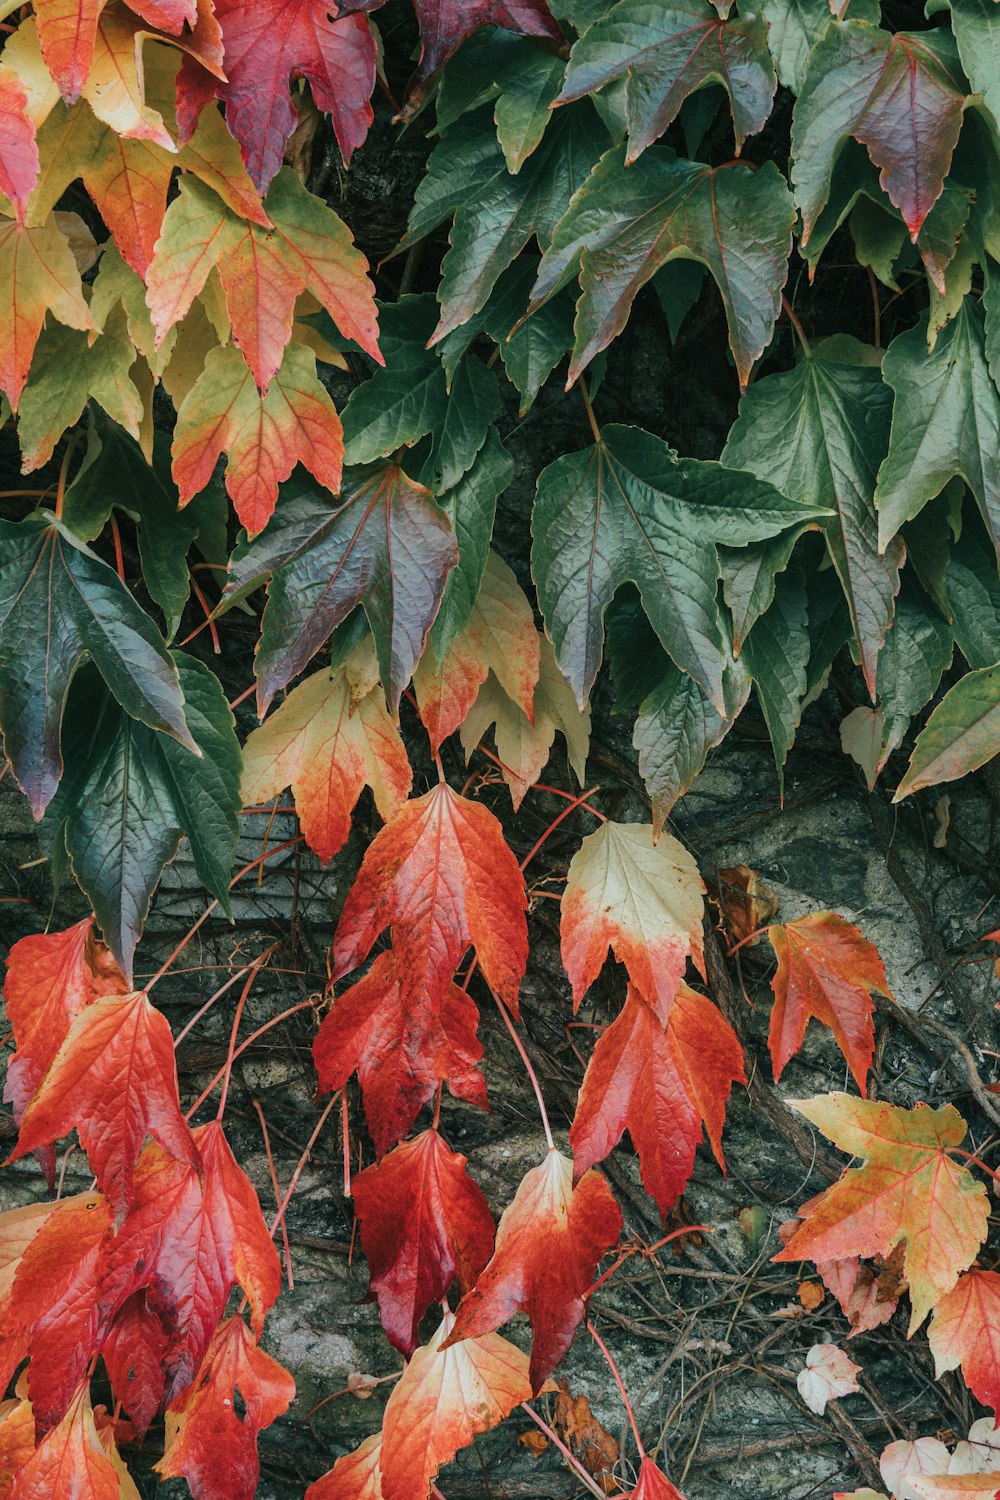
column 955, row 1486
column 965, row 1330
column 208, row 1444
column 356, row 1476
column 17, row 1441
column 401, row 1045
column 18, row 150
column 826, row 970
column 115, row 1079
column 442, row 874
column 39, row 275
column 908, row 1191
column 444, row 1399
column 424, row 1224
column 653, row 1484
column 640, row 1080
column 70, row 1461
column 264, row 436
column 640, row 899
column 133, row 1350
column 326, row 746
column 549, row 1241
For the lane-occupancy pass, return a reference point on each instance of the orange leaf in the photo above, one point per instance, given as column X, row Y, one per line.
column 959, row 1486
column 326, row 747
column 424, row 1223
column 17, row 1441
column 401, row 1046
column 265, row 437
column 965, row 1330
column 70, row 1461
column 356, row 1476
column 653, row 1484
column 909, row 1191
column 549, row 1241
column 445, row 1397
column 826, row 969
column 640, row 899
column 444, row 876
column 39, row 275
column 18, row 151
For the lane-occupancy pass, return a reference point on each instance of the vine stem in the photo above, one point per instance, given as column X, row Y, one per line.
column 541, row 786
column 586, row 1478
column 277, row 1192
column 757, row 932
column 254, row 1036
column 300, row 1168
column 646, row 1251
column 584, row 392
column 792, row 317
column 346, row 1128
column 528, row 1069
column 621, row 1388
column 570, row 807
column 255, row 969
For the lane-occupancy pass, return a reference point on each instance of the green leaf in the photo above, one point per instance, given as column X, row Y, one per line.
column 667, row 52
column 496, row 214
column 795, row 28
column 902, row 96
column 629, row 511
column 471, row 507
column 522, row 79
column 387, row 546
column 917, row 652
column 973, row 593
column 627, row 222
column 749, row 578
column 776, row 655
column 961, row 735
column 115, row 475
column 678, row 286
column 945, row 422
column 829, row 626
column 977, row 31
column 818, row 432
column 58, row 604
column 130, row 794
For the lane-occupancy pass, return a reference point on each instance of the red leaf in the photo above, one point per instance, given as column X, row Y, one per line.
column 965, row 1330
column 189, row 1240
column 424, row 1223
column 356, row 1476
column 443, row 875
column 653, row 1484
column 642, row 1079
column 549, row 1241
column 114, row 1079
column 70, row 1461
column 18, row 151
column 207, row 1443
column 444, row 25
column 401, row 1047
column 826, row 969
column 133, row 1351
column 266, row 46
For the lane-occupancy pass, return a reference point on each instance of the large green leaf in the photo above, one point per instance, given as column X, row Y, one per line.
column 388, row 547
column 513, row 71
column 67, row 369
column 945, row 422
column 130, row 794
column 58, row 604
column 667, row 51
column 961, row 735
column 902, row 96
column 972, row 587
column 795, row 26
column 471, row 507
column 917, row 652
column 976, row 25
column 819, row 432
column 627, row 222
column 629, row 511
column 776, row 654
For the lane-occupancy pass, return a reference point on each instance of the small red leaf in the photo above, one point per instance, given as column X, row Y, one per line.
column 133, row 1351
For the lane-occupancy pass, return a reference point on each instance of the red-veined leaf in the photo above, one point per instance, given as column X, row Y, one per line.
column 18, row 150
column 133, row 1350
column 965, row 1330
column 70, row 1461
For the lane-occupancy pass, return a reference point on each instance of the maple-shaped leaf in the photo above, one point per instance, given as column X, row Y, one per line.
column 641, row 900
column 828, row 1375
column 40, row 275
column 264, row 437
column 130, row 795
column 424, row 1224
column 444, row 877
column 444, row 25
column 826, row 970
column 387, row 547
column 626, row 222
column 498, row 636
column 132, row 1349
column 208, row 1444
column 908, row 1191
column 326, row 746
column 69, row 34
column 18, row 149
column 627, row 510
column 658, row 1082
column 356, row 1476
column 523, row 744
column 263, row 270
column 17, row 1440
column 549, row 1241
column 189, row 1238
column 447, row 1395
column 819, row 432
column 965, row 1330
column 401, row 1045
column 55, row 1299
column 69, row 1461
column 115, row 1079
column 47, row 575
column 664, row 53
column 901, row 95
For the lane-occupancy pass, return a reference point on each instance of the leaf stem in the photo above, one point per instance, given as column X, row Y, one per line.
column 570, row 807
column 255, row 969
column 757, row 932
column 790, row 314
column 532, row 1078
column 621, row 1388
column 277, row 1192
column 253, row 1037
column 584, row 392
column 585, row 1477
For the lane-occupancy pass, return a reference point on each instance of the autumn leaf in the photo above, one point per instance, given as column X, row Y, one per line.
column 70, row 1460
column 960, row 735
column 38, row 270
column 326, row 747
column 826, row 970
column 961, row 1486
column 827, row 1376
column 908, row 1191
column 444, row 25
column 445, row 1398
column 549, row 1241
column 132, row 1349
column 17, row 1440
column 424, row 1224
column 659, row 1083
column 442, row 874
column 965, row 1330
column 641, row 900
column 400, row 1047
column 653, row 1484
column 356, row 1476
column 18, row 151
